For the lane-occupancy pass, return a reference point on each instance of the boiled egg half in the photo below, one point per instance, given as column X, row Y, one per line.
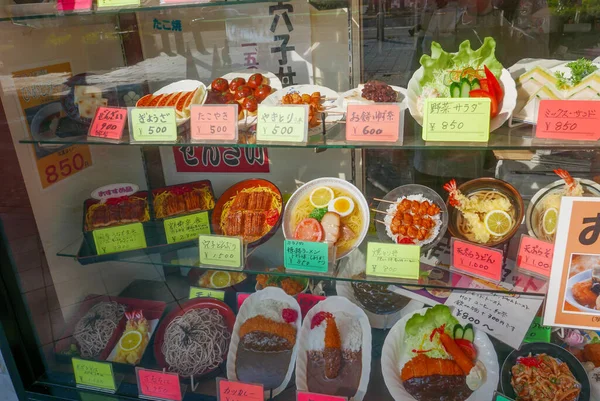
column 342, row 205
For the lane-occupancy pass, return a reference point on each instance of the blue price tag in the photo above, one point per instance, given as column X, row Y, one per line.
column 306, row 256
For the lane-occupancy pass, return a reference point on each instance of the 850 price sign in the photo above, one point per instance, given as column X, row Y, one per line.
column 575, row 120
column 64, row 163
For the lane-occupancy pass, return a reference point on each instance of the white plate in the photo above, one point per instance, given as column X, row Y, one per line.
column 579, row 277
column 354, row 96
column 508, row 103
column 393, row 359
column 186, row 85
column 335, row 305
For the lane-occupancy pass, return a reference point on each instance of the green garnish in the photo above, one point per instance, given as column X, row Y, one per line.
column 318, row 213
column 579, row 70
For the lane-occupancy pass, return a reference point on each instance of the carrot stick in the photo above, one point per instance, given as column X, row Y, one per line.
column 456, row 353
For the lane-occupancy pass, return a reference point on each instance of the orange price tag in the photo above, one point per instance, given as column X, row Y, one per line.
column 373, row 122
column 238, row 391
column 306, row 396
column 158, row 384
column 535, row 255
column 108, row 123
column 214, row 122
column 571, row 120
column 477, row 260
column 73, row 5
column 63, row 163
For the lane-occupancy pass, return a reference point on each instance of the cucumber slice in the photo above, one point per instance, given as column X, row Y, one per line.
column 458, row 332
column 465, row 87
column 455, row 89
column 469, row 334
column 475, row 84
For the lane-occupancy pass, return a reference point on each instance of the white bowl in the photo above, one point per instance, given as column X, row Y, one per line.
column 579, row 277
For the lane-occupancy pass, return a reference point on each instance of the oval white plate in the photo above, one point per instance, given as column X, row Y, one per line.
column 579, row 277
column 354, row 96
column 186, row 85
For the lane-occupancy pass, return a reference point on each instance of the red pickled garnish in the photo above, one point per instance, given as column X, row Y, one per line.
column 529, row 361
column 437, row 330
column 318, row 318
column 272, row 216
column 420, row 351
column 405, row 240
column 289, row 315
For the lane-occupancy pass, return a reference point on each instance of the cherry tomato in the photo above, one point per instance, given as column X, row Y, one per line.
column 255, row 80
column 309, row 230
column 226, row 97
column 262, row 92
column 493, row 103
column 236, row 83
column 242, row 92
column 220, row 85
column 250, row 103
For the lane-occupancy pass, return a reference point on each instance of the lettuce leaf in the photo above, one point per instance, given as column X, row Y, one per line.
column 418, row 330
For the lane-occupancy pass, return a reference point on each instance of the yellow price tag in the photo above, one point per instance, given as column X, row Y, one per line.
column 282, row 123
column 196, row 292
column 186, row 228
column 117, row 3
column 393, row 260
column 119, row 239
column 94, row 374
column 155, row 124
column 457, row 119
column 217, row 250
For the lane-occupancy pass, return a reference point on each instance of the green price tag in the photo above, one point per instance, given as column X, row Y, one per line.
column 282, row 123
column 537, row 332
column 155, row 124
column 500, row 397
column 119, row 239
column 307, row 256
column 393, row 260
column 117, row 3
column 94, row 374
column 217, row 250
column 185, row 228
column 196, row 292
column 457, row 120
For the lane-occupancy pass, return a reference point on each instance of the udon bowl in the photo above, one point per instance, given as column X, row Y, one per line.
column 407, row 190
column 591, row 189
column 343, row 185
column 487, row 184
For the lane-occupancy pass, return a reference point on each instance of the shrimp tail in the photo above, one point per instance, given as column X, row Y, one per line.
column 564, row 174
column 450, row 186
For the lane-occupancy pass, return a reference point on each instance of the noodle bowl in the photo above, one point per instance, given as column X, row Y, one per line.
column 94, row 330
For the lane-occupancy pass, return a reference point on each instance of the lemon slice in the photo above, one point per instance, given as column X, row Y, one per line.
column 550, row 219
column 131, row 340
column 321, row 196
column 498, row 222
column 220, row 279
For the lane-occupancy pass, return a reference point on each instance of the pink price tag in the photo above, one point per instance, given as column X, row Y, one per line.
column 306, row 396
column 238, row 391
column 108, row 123
column 477, row 260
column 307, row 301
column 571, row 120
column 214, row 122
column 73, row 5
column 158, row 384
column 373, row 123
column 535, row 255
column 241, row 297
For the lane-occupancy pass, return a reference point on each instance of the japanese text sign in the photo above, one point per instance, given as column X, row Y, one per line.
column 217, row 250
column 374, row 123
column 457, row 120
column 196, row 292
column 94, row 374
column 575, row 120
column 307, row 256
column 238, row 391
column 108, row 123
column 156, row 124
column 117, row 3
column 186, row 228
column 214, row 123
column 393, row 260
column 500, row 397
column 307, row 301
column 119, row 239
column 537, row 332
column 156, row 384
column 306, row 396
column 535, row 256
column 114, row 191
column 73, row 5
column 477, row 260
column 282, row 123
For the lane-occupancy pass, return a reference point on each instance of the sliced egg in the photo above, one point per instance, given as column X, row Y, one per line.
column 343, row 206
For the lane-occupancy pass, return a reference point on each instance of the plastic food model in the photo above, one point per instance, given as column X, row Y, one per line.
column 313, row 101
column 413, row 220
column 182, row 101
column 133, row 342
column 543, row 378
column 379, row 92
column 116, row 211
column 88, row 98
column 181, row 199
column 247, row 94
column 291, row 285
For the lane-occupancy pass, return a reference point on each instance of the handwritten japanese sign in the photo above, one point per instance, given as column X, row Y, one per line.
column 282, row 123
column 153, row 124
column 156, row 384
column 306, row 396
column 457, row 120
column 374, row 123
column 196, row 292
column 185, row 228
column 535, row 256
column 307, row 256
column 537, row 332
column 117, row 3
column 393, row 260
column 571, row 120
column 217, row 250
column 477, row 260
column 94, row 374
column 238, row 391
column 73, row 5
column 119, row 239
column 108, row 123
column 214, row 123
column 114, row 191
column 307, row 301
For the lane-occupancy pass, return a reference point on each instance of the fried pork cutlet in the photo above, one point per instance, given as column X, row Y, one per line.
column 583, row 294
column 422, row 365
column 262, row 334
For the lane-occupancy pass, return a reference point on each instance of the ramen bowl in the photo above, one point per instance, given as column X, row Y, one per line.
column 491, row 185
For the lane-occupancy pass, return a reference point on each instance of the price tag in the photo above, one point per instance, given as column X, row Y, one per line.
column 570, row 120
column 94, row 374
column 117, row 3
column 241, row 297
column 217, row 123
column 457, row 120
column 500, row 397
column 217, row 250
column 535, row 255
column 119, row 239
column 238, row 391
column 73, row 5
column 156, row 124
column 373, row 123
column 306, row 256
column 114, row 191
column 156, row 384
column 64, row 163
column 282, row 123
column 185, row 228
column 393, row 260
column 477, row 260
column 307, row 301
column 108, row 123
column 538, row 332
column 306, row 396
column 196, row 292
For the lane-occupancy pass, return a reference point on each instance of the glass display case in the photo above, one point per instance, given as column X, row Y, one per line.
column 312, row 196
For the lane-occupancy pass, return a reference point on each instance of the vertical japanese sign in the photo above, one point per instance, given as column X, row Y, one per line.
column 574, row 288
column 39, row 91
column 215, row 159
